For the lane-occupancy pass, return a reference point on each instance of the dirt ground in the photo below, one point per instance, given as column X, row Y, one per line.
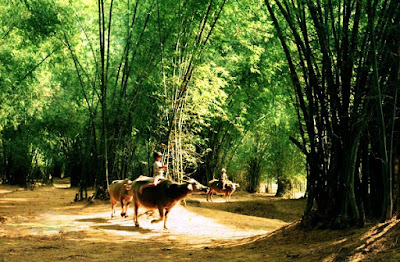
column 45, row 225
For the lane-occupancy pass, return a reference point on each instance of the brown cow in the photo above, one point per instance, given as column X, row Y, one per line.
column 164, row 196
column 216, row 186
column 121, row 191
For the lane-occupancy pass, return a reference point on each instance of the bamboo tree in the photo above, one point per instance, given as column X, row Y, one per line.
column 333, row 104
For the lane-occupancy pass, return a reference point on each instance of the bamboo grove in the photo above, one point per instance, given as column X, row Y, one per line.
column 272, row 90
column 344, row 62
column 90, row 91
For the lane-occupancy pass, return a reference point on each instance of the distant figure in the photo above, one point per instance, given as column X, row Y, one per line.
column 223, row 178
column 158, row 171
column 215, row 186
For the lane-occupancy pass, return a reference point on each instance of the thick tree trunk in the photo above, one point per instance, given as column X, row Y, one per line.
column 284, row 186
column 366, row 177
column 349, row 203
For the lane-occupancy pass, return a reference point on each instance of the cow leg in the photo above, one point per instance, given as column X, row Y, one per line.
column 161, row 211
column 122, row 208
column 211, row 196
column 126, row 209
column 135, row 214
column 165, row 218
column 113, row 208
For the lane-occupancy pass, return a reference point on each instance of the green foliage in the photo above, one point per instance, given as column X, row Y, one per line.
column 214, row 90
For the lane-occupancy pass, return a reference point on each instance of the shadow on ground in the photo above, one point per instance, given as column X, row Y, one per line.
column 124, row 228
column 251, row 228
column 93, row 220
column 287, row 210
column 375, row 242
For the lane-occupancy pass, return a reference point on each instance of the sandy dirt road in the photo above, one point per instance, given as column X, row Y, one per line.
column 44, row 225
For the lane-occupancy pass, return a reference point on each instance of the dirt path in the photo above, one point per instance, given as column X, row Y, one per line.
column 43, row 225
column 40, row 222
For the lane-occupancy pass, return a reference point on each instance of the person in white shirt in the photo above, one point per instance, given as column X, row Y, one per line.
column 158, row 171
column 223, row 178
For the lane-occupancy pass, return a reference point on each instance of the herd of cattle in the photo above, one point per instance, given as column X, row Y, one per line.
column 162, row 197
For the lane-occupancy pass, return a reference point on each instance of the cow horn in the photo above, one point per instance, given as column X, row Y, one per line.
column 185, row 178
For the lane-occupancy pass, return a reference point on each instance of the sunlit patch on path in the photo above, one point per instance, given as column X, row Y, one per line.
column 47, row 225
column 185, row 227
column 49, row 214
column 3, row 191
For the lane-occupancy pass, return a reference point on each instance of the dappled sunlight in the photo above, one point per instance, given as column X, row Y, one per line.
column 298, row 195
column 373, row 239
column 378, row 231
column 184, row 226
column 47, row 220
column 183, row 221
column 16, row 199
column 2, row 191
column 62, row 186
